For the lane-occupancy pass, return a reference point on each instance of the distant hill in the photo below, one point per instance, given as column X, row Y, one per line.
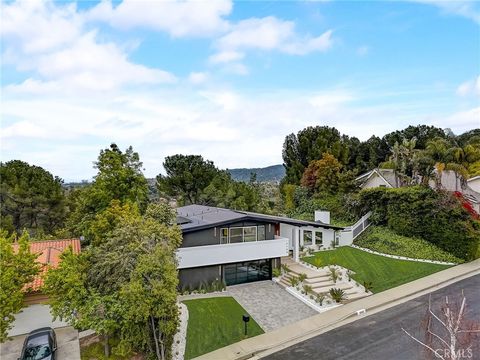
column 273, row 173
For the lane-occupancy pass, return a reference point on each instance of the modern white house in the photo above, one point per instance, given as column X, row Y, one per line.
column 239, row 246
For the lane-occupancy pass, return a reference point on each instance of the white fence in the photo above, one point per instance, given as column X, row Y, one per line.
column 350, row 233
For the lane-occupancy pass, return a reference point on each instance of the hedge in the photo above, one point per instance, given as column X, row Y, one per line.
column 418, row 211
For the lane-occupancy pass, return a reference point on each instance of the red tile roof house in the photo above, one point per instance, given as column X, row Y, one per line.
column 49, row 252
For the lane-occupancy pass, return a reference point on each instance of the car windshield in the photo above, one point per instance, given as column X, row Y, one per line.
column 37, row 352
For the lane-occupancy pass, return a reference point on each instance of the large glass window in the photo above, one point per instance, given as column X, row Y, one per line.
column 318, row 238
column 261, row 232
column 224, row 236
column 248, row 271
column 307, row 237
column 236, row 235
column 250, row 233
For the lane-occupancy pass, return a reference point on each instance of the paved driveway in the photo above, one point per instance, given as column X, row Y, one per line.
column 67, row 339
column 380, row 336
column 34, row 317
column 270, row 305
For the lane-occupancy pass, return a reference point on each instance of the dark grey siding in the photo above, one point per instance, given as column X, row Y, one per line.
column 212, row 236
column 192, row 278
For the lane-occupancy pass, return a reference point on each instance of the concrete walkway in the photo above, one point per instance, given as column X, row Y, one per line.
column 270, row 305
column 271, row 342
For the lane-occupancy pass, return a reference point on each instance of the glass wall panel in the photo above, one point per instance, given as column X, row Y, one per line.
column 307, row 237
column 261, row 232
column 248, row 271
column 224, row 236
column 236, row 235
column 318, row 238
column 250, row 233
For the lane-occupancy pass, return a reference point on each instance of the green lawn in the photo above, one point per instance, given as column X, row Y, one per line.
column 214, row 323
column 383, row 272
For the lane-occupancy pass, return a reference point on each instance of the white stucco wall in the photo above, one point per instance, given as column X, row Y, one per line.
column 475, row 184
column 375, row 181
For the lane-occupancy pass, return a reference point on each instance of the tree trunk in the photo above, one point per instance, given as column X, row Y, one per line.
column 106, row 346
column 157, row 350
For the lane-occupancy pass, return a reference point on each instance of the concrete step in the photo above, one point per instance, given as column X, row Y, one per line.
column 326, row 289
column 318, row 280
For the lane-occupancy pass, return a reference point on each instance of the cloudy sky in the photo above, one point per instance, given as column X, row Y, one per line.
column 227, row 80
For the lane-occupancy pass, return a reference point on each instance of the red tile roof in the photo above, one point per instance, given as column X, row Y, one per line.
column 49, row 252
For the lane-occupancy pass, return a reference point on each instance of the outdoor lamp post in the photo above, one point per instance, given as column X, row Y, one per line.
column 246, row 319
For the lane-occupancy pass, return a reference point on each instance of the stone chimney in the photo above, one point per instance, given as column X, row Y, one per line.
column 322, row 216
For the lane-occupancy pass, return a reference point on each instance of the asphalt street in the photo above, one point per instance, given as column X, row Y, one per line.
column 380, row 336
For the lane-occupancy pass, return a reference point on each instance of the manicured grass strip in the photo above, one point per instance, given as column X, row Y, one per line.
column 214, row 323
column 384, row 240
column 383, row 272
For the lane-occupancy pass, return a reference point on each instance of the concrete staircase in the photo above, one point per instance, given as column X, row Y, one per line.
column 319, row 280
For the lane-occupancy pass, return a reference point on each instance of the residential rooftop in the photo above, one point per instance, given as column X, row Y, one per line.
column 196, row 217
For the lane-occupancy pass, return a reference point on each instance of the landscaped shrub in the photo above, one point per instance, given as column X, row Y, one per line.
column 294, row 281
column 334, row 274
column 276, row 272
column 307, row 289
column 337, row 294
column 419, row 211
column 368, row 285
column 384, row 240
column 302, row 277
column 320, row 298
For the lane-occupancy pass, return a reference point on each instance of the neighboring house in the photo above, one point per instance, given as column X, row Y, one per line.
column 474, row 183
column 379, row 178
column 49, row 252
column 239, row 246
column 449, row 180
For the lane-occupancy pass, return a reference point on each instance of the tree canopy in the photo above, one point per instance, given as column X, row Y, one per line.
column 119, row 178
column 126, row 286
column 31, row 198
column 17, row 269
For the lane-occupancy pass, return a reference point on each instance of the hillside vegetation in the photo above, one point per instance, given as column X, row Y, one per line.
column 274, row 173
column 384, row 240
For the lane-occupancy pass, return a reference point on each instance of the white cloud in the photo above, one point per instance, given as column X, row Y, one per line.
column 270, row 33
column 39, row 26
column 50, row 41
column 178, row 18
column 197, row 78
column 231, row 128
column 470, row 87
column 465, row 8
column 363, row 50
column 226, row 56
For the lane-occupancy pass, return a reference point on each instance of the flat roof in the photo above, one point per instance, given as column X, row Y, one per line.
column 197, row 217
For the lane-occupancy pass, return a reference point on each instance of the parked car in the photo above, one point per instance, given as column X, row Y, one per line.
column 40, row 344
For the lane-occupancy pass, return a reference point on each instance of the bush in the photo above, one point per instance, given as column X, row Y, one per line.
column 384, row 240
column 276, row 272
column 418, row 211
column 337, row 294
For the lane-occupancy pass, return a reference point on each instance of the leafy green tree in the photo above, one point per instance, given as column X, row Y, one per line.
column 119, row 178
column 187, row 177
column 422, row 134
column 18, row 267
column 31, row 198
column 308, row 145
column 105, row 222
column 126, row 286
column 323, row 174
